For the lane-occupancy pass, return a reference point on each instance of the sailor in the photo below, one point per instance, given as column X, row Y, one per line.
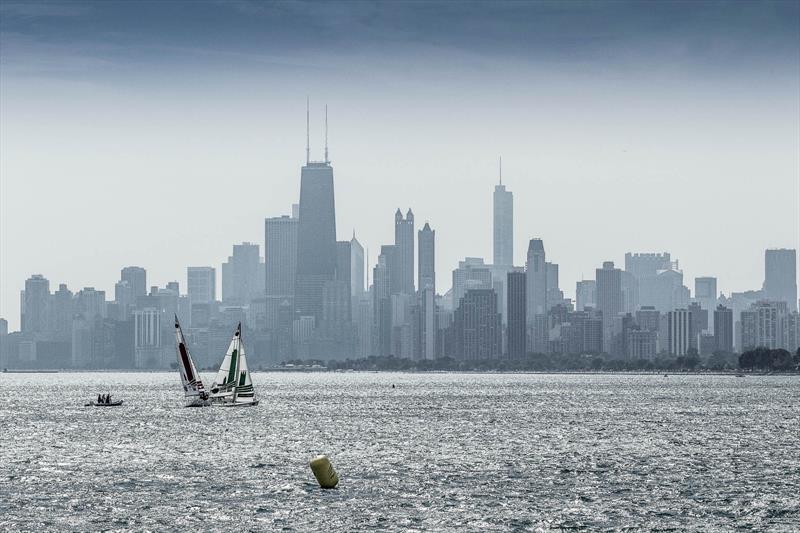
column 99, row 398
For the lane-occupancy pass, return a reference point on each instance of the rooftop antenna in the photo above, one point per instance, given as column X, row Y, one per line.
column 308, row 141
column 326, row 134
column 501, row 170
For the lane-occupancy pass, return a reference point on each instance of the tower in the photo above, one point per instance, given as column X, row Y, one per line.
column 404, row 241
column 316, row 233
column 426, row 275
column 503, row 227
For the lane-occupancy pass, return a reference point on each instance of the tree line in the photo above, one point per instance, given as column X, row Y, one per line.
column 759, row 359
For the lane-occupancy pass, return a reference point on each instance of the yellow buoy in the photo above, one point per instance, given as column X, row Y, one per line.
column 324, row 472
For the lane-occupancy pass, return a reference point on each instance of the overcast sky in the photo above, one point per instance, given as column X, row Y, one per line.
column 159, row 134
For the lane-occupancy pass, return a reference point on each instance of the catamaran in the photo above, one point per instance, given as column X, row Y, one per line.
column 233, row 387
column 196, row 394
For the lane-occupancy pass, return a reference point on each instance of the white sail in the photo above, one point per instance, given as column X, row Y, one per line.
column 233, row 385
column 192, row 383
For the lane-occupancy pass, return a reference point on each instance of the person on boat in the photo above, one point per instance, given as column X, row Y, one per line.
column 108, row 398
column 99, row 398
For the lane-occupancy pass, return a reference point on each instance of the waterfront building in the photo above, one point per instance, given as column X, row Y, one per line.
column 243, row 275
column 404, row 242
column 516, row 309
column 503, row 226
column 780, row 276
column 609, row 298
column 280, row 256
column 679, row 331
column 426, row 270
column 723, row 329
column 201, row 284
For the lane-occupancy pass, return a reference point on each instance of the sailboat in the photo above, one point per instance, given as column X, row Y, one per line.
column 233, row 387
column 196, row 394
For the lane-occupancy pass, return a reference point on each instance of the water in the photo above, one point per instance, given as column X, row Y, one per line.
column 438, row 452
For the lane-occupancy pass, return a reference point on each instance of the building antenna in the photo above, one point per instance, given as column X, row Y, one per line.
column 326, row 134
column 501, row 170
column 308, row 140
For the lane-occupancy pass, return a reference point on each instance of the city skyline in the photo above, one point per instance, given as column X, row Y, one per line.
column 603, row 153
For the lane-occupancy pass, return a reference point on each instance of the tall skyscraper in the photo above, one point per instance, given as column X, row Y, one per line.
column 585, row 294
column 201, row 284
column 426, row 275
column 536, row 280
column 679, row 331
column 316, row 237
column 780, row 276
column 723, row 329
column 705, row 293
column 356, row 267
column 243, row 275
column 503, row 227
column 609, row 298
column 476, row 328
column 34, row 312
column 516, row 300
column 427, row 328
column 280, row 254
column 136, row 278
column 404, row 241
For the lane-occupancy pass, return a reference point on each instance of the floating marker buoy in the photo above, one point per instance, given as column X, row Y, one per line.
column 324, row 472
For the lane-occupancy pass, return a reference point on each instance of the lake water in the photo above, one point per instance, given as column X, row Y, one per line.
column 438, row 452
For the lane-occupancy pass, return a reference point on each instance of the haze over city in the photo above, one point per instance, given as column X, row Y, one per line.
column 162, row 139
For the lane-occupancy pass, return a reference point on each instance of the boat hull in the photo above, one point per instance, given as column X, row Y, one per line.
column 237, row 404
column 112, row 404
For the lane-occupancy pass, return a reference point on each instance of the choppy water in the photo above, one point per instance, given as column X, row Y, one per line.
column 439, row 451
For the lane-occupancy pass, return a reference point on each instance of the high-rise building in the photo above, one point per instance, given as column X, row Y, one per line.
column 356, row 267
column 585, row 294
column 762, row 325
column 426, row 274
column 35, row 299
column 472, row 273
column 647, row 265
column 723, row 329
column 679, row 331
column 503, row 242
column 243, row 275
column 147, row 338
column 90, row 303
column 280, row 251
column 136, row 278
column 404, row 242
column 517, row 323
column 780, row 276
column 553, row 294
column 699, row 317
column 201, row 284
column 609, row 298
column 476, row 326
column 705, row 292
column 316, row 237
column 63, row 304
column 427, row 322
column 382, row 303
column 536, row 280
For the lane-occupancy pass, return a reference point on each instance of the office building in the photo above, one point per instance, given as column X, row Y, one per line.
column 503, row 226
column 516, row 309
column 280, row 256
column 243, row 275
column 403, row 277
column 201, row 284
column 426, row 275
column 780, row 276
column 723, row 329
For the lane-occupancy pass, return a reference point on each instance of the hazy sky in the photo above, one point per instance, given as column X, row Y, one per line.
column 158, row 134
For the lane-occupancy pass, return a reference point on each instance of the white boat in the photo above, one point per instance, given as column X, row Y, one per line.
column 233, row 387
column 196, row 394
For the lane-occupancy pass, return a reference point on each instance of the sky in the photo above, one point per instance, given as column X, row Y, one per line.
column 159, row 134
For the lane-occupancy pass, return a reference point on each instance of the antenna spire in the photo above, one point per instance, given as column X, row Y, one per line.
column 326, row 134
column 501, row 170
column 308, row 141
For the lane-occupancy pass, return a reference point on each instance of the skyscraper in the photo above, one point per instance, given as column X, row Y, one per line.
column 35, row 304
column 723, row 329
column 136, row 278
column 536, row 280
column 503, row 227
column 243, row 275
column 356, row 267
column 780, row 276
column 426, row 275
column 679, row 331
column 585, row 291
column 476, row 326
column 609, row 298
column 516, row 300
column 280, row 254
column 201, row 284
column 705, row 293
column 316, row 237
column 404, row 241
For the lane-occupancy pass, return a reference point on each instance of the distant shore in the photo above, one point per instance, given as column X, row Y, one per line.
column 280, row 370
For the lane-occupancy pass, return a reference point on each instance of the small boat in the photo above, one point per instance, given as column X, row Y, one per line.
column 739, row 375
column 233, row 387
column 115, row 403
column 196, row 394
